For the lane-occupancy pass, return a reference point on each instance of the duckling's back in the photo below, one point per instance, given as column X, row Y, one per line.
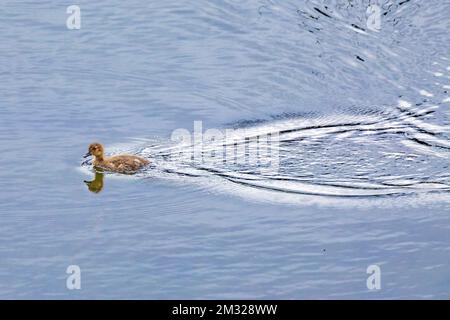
column 124, row 163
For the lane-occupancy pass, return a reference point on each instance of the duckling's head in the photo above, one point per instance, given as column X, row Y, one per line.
column 96, row 150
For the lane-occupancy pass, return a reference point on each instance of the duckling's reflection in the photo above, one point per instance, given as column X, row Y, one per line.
column 96, row 185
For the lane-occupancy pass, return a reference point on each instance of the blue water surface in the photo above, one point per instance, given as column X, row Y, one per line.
column 363, row 177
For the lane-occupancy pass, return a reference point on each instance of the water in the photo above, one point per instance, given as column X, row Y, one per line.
column 364, row 136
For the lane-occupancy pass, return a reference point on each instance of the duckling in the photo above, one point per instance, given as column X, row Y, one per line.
column 122, row 163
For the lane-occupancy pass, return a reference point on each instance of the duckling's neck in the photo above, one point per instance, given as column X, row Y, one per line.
column 99, row 159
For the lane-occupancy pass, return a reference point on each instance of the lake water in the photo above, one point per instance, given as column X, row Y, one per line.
column 361, row 114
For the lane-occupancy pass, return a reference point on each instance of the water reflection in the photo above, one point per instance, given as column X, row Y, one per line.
column 97, row 184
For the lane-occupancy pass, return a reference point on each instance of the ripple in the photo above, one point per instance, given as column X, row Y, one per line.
column 392, row 153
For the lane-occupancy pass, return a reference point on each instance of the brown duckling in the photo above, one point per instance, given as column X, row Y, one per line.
column 121, row 163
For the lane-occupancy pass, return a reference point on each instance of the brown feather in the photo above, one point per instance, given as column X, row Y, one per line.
column 121, row 163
